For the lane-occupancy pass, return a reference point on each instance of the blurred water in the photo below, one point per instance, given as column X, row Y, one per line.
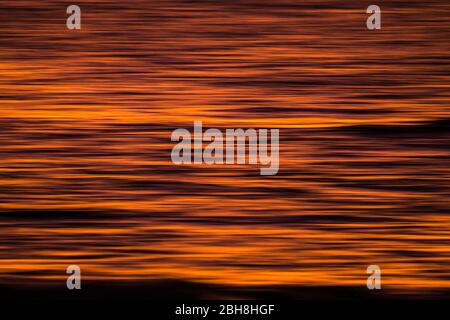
column 86, row 118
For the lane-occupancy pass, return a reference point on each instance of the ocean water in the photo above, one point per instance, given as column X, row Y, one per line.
column 86, row 116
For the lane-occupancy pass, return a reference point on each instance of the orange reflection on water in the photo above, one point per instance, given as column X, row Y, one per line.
column 86, row 118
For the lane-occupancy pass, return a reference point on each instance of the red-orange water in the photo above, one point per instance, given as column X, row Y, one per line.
column 86, row 117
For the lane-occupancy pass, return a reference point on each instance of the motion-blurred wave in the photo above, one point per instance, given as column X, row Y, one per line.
column 86, row 116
